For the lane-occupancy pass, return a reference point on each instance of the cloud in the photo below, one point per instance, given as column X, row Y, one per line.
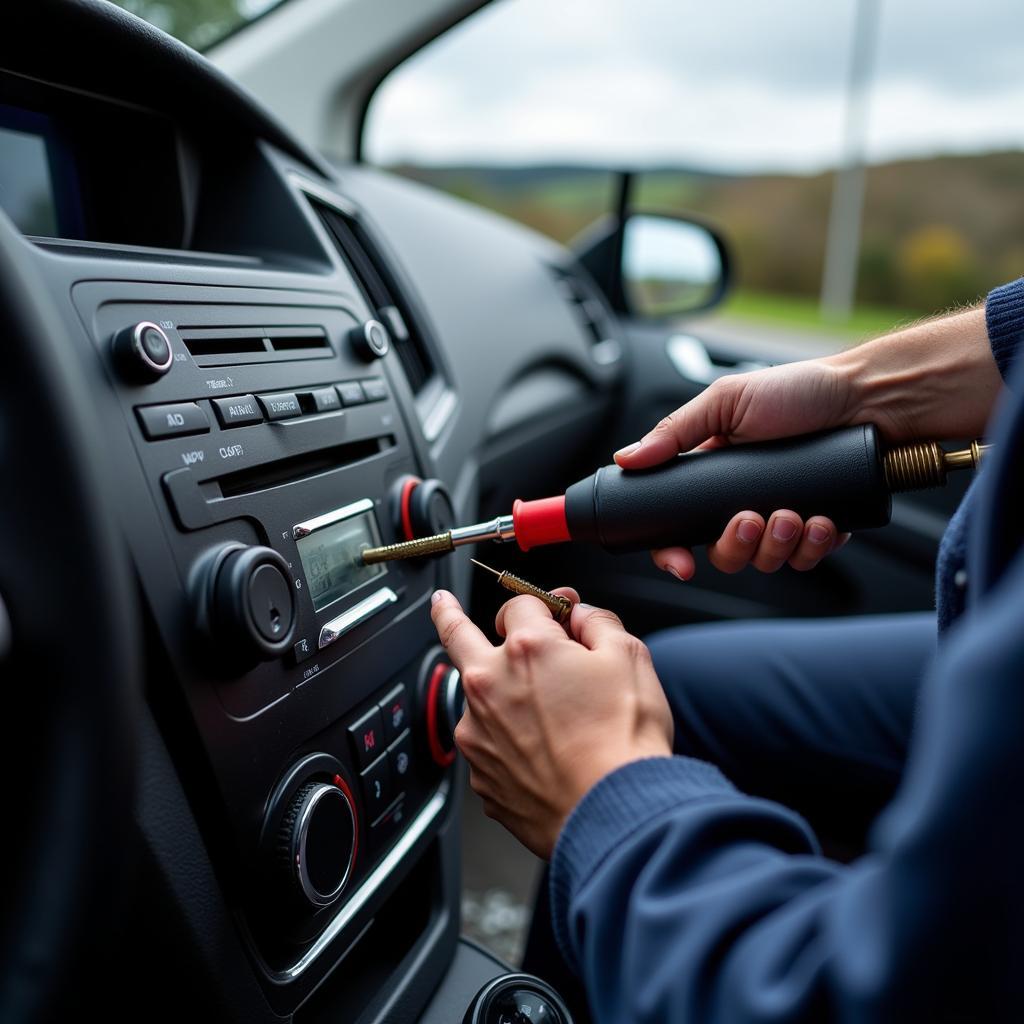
column 738, row 84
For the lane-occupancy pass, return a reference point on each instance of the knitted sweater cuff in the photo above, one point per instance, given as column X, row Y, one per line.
column 1004, row 319
column 620, row 804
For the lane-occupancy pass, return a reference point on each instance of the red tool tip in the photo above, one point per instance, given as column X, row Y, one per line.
column 540, row 522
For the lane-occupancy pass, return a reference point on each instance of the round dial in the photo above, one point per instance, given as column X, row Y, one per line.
column 246, row 602
column 143, row 352
column 517, row 999
column 445, row 703
column 317, row 841
column 370, row 340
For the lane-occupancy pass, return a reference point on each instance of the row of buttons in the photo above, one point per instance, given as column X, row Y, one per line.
column 382, row 745
column 181, row 418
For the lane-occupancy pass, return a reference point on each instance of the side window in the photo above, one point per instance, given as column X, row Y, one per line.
column 863, row 158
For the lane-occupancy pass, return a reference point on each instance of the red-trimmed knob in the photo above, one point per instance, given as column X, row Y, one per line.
column 423, row 508
column 318, row 839
column 445, row 704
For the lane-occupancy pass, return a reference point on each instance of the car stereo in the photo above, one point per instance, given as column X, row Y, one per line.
column 276, row 448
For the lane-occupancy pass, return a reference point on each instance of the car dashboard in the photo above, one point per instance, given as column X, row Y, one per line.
column 224, row 291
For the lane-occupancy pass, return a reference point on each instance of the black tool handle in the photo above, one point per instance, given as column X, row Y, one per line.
column 690, row 500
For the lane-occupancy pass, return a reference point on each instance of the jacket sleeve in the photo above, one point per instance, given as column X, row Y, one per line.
column 1004, row 320
column 677, row 898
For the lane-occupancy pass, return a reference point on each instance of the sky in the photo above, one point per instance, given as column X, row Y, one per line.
column 733, row 85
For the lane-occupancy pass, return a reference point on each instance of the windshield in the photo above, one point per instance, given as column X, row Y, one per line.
column 200, row 23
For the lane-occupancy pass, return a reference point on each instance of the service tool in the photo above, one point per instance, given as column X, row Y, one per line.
column 845, row 475
column 559, row 606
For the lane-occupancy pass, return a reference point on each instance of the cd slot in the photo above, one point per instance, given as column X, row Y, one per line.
column 230, row 346
column 298, row 467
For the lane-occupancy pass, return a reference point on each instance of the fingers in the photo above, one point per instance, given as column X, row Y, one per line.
column 785, row 538
column 459, row 637
column 596, row 627
column 738, row 545
column 778, row 542
column 819, row 538
column 708, row 415
column 676, row 561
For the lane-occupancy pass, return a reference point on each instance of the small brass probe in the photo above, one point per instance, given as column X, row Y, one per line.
column 560, row 607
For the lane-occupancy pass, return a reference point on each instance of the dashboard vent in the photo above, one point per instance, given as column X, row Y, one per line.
column 360, row 256
column 589, row 310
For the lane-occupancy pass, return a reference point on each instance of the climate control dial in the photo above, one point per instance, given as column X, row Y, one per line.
column 445, row 703
column 318, row 840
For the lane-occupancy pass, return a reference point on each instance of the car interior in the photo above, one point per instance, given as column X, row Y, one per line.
column 232, row 364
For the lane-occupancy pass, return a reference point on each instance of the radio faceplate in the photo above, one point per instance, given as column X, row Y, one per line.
column 270, row 449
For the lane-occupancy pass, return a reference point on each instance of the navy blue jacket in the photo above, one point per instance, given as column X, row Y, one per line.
column 678, row 898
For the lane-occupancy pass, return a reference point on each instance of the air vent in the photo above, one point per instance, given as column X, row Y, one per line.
column 590, row 312
column 378, row 284
column 231, row 346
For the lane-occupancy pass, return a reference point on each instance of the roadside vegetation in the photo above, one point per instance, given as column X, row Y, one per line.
column 937, row 232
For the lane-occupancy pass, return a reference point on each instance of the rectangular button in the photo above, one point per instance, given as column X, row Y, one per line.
column 302, row 650
column 326, row 399
column 367, row 736
column 375, row 389
column 376, row 783
column 238, row 411
column 394, row 709
column 172, row 420
column 281, row 405
column 351, row 392
column 400, row 757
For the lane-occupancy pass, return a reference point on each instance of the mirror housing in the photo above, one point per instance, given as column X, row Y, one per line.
column 656, row 266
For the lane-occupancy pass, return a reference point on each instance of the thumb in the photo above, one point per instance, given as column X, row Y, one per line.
column 595, row 627
column 706, row 416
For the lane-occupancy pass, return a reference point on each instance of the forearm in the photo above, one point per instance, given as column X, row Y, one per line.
column 934, row 380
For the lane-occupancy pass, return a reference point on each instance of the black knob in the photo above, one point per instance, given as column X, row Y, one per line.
column 317, row 842
column 370, row 340
column 246, row 602
column 517, row 999
column 430, row 509
column 142, row 352
column 445, row 703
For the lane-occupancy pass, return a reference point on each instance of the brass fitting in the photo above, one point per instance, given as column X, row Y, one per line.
column 559, row 606
column 916, row 467
column 439, row 544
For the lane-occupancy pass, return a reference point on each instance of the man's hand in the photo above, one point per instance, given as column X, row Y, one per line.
column 935, row 380
column 551, row 711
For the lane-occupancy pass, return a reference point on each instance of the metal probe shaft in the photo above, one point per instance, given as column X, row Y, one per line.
column 499, row 530
column 560, row 607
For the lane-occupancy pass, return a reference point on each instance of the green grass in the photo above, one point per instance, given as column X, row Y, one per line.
column 804, row 312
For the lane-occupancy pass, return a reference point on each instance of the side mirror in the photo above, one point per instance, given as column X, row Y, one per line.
column 654, row 266
column 670, row 266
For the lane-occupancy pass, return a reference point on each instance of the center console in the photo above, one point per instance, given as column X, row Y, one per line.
column 269, row 428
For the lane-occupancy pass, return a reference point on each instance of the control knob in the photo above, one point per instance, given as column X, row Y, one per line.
column 422, row 507
column 445, row 703
column 246, row 602
column 370, row 340
column 517, row 999
column 142, row 352
column 318, row 840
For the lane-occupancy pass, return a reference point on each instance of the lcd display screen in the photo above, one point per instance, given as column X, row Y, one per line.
column 332, row 558
column 38, row 184
column 26, row 186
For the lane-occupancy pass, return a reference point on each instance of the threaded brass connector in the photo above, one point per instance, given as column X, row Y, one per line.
column 439, row 544
column 916, row 467
column 559, row 606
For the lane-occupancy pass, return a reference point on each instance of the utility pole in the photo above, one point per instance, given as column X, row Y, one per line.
column 842, row 247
